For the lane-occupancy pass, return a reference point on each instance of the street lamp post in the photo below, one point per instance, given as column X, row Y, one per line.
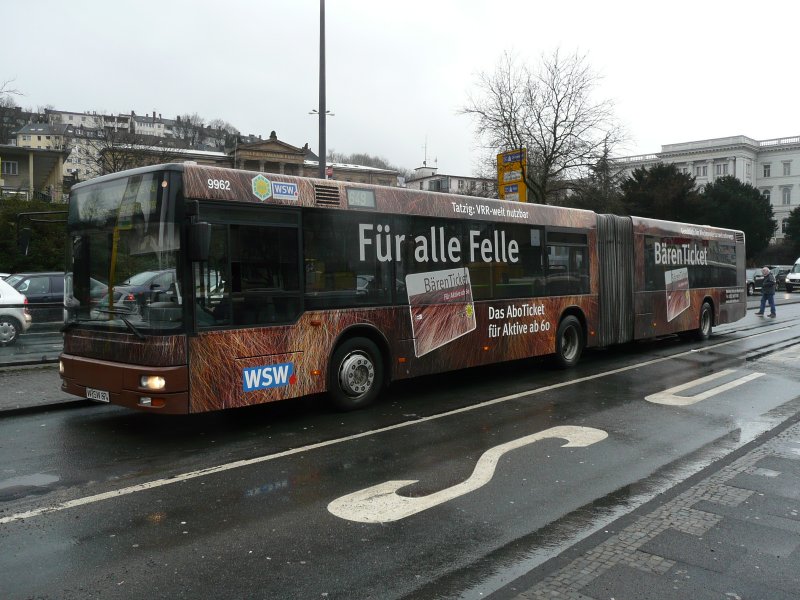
column 322, row 112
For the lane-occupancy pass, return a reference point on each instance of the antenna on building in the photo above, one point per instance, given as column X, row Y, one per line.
column 425, row 157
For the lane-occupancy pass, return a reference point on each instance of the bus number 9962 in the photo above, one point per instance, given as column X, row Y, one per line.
column 219, row 184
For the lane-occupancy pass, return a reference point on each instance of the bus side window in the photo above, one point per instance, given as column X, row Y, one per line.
column 212, row 283
column 335, row 274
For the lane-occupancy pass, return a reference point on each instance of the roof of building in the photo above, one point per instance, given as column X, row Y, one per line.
column 349, row 167
column 42, row 129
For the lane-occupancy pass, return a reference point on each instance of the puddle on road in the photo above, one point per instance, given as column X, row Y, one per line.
column 35, row 480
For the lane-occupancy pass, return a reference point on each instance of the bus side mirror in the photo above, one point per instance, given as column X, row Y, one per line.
column 24, row 240
column 199, row 241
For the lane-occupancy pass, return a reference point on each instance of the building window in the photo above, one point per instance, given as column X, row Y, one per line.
column 9, row 167
column 786, row 194
column 747, row 168
column 787, row 169
column 767, row 194
column 766, row 170
column 721, row 169
column 461, row 184
column 784, row 223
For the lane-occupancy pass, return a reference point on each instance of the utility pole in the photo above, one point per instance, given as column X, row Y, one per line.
column 322, row 113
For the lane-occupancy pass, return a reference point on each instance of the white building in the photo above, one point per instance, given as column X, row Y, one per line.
column 89, row 120
column 426, row 178
column 772, row 166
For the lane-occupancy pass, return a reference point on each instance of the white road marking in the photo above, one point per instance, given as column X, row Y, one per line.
column 381, row 503
column 259, row 459
column 671, row 397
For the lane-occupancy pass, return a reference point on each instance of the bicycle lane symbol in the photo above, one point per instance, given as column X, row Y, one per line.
column 382, row 504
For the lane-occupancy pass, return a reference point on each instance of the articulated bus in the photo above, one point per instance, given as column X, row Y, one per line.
column 229, row 288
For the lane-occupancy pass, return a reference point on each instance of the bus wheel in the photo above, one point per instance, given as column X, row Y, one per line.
column 706, row 321
column 9, row 330
column 569, row 342
column 356, row 374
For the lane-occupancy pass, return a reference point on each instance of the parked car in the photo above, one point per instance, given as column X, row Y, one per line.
column 140, row 289
column 793, row 277
column 750, row 275
column 43, row 289
column 779, row 271
column 14, row 316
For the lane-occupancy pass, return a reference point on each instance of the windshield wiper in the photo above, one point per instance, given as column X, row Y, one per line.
column 121, row 314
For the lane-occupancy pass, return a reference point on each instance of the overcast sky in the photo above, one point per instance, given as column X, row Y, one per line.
column 398, row 72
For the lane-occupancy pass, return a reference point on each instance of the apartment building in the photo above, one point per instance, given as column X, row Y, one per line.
column 427, row 178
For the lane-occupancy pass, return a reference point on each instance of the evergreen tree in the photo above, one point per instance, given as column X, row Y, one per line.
column 792, row 232
column 727, row 202
column 661, row 192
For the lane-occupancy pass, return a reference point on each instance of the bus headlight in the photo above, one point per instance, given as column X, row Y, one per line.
column 152, row 382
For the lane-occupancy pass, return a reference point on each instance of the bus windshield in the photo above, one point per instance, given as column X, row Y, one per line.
column 122, row 256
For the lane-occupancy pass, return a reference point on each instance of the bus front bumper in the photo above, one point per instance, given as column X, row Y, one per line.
column 115, row 383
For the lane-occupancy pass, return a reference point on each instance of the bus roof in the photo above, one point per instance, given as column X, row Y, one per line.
column 218, row 183
column 226, row 184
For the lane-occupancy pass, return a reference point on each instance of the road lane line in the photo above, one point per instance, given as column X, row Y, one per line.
column 269, row 457
column 381, row 503
column 670, row 397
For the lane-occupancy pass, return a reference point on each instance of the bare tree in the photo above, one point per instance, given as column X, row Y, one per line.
column 8, row 125
column 108, row 149
column 550, row 112
column 7, row 90
column 224, row 133
column 8, row 110
column 189, row 130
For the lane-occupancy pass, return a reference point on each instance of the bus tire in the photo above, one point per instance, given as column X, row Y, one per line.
column 569, row 342
column 355, row 374
column 10, row 329
column 706, row 322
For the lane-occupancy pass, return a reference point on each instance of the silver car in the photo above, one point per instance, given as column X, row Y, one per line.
column 14, row 316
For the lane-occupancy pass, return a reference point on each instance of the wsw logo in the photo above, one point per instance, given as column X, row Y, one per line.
column 268, row 376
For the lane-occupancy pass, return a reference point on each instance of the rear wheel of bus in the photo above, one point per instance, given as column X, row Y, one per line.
column 569, row 342
column 704, row 325
column 355, row 374
column 706, row 322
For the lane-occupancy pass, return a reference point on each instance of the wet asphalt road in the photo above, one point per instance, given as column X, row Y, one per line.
column 100, row 502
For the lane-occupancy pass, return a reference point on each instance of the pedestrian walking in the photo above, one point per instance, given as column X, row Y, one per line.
column 767, row 292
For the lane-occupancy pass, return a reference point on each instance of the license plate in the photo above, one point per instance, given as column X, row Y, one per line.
column 98, row 395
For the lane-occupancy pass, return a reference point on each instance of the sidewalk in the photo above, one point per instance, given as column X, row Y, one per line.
column 734, row 535
column 32, row 387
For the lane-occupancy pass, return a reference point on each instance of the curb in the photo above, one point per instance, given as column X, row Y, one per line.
column 41, row 408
